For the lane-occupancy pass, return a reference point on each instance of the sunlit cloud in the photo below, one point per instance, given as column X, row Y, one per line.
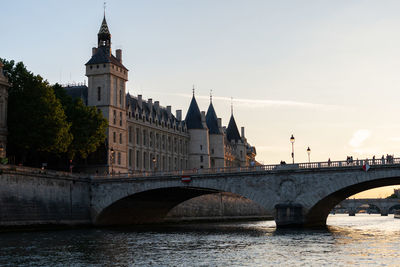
column 256, row 103
column 359, row 137
column 394, row 139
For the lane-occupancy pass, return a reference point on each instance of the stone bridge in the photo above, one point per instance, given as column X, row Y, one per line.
column 385, row 205
column 296, row 194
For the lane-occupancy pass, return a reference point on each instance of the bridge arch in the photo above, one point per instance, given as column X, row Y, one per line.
column 149, row 206
column 318, row 213
column 138, row 201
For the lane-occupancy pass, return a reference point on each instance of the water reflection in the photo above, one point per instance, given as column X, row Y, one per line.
column 359, row 240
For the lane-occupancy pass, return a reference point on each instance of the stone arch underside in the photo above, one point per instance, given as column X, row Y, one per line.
column 318, row 214
column 149, row 206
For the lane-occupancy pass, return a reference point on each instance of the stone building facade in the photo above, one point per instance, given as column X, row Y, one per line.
column 142, row 135
column 4, row 85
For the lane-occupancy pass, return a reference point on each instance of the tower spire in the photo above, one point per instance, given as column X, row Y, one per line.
column 211, row 96
column 231, row 106
column 193, row 90
column 104, row 9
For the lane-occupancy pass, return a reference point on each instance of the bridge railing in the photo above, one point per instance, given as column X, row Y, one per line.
column 272, row 167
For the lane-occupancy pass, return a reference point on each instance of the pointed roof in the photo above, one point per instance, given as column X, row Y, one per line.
column 193, row 116
column 104, row 27
column 212, row 120
column 232, row 132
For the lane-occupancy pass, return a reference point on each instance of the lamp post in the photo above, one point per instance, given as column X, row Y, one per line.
column 308, row 152
column 292, row 141
column 112, row 152
column 154, row 163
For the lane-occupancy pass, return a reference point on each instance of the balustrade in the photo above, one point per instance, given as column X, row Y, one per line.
column 272, row 167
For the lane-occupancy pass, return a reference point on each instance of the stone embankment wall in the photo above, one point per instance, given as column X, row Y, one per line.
column 35, row 197
column 217, row 207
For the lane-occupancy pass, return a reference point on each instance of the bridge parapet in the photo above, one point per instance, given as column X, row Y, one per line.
column 307, row 166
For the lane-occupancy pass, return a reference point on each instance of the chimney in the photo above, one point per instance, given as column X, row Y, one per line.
column 150, row 103
column 169, row 111
column 94, row 51
column 157, row 105
column 203, row 119
column 219, row 121
column 139, row 98
column 179, row 115
column 118, row 55
column 242, row 132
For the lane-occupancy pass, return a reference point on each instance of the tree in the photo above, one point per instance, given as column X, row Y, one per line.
column 88, row 125
column 36, row 118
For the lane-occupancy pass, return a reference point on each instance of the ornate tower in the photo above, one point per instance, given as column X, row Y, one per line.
column 107, row 77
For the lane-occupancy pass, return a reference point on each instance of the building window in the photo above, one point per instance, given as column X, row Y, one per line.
column 120, row 138
column 137, row 159
column 137, row 136
column 120, row 97
column 144, row 160
column 114, row 137
column 98, row 93
column 212, row 150
column 151, row 139
column 201, row 147
column 144, row 138
column 201, row 158
column 175, row 145
column 119, row 158
column 241, row 153
column 120, row 119
column 114, row 116
column 130, row 158
column 130, row 133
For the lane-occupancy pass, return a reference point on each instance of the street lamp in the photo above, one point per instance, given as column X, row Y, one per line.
column 154, row 163
column 112, row 152
column 292, row 141
column 308, row 152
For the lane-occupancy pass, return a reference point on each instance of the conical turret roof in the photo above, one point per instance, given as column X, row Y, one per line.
column 212, row 120
column 232, row 132
column 193, row 116
column 104, row 27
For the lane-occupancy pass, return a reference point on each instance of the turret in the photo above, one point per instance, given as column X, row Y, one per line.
column 217, row 148
column 198, row 148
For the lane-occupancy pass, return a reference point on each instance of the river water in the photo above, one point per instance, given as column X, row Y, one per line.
column 357, row 241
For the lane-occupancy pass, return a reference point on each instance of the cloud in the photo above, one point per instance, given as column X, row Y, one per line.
column 359, row 137
column 257, row 103
column 394, row 139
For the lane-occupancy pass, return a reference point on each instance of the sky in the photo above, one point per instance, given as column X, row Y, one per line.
column 325, row 71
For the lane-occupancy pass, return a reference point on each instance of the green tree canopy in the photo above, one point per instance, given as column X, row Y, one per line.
column 88, row 124
column 36, row 118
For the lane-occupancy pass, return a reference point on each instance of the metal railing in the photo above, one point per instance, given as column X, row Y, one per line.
column 349, row 163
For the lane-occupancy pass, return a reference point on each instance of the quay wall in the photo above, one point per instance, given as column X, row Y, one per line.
column 33, row 197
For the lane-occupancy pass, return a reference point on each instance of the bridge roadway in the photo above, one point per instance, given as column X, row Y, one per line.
column 296, row 194
column 385, row 205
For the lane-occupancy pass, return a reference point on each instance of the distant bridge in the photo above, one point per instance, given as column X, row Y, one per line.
column 296, row 194
column 384, row 205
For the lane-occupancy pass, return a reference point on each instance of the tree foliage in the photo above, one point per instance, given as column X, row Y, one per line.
column 36, row 119
column 88, row 124
column 43, row 121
